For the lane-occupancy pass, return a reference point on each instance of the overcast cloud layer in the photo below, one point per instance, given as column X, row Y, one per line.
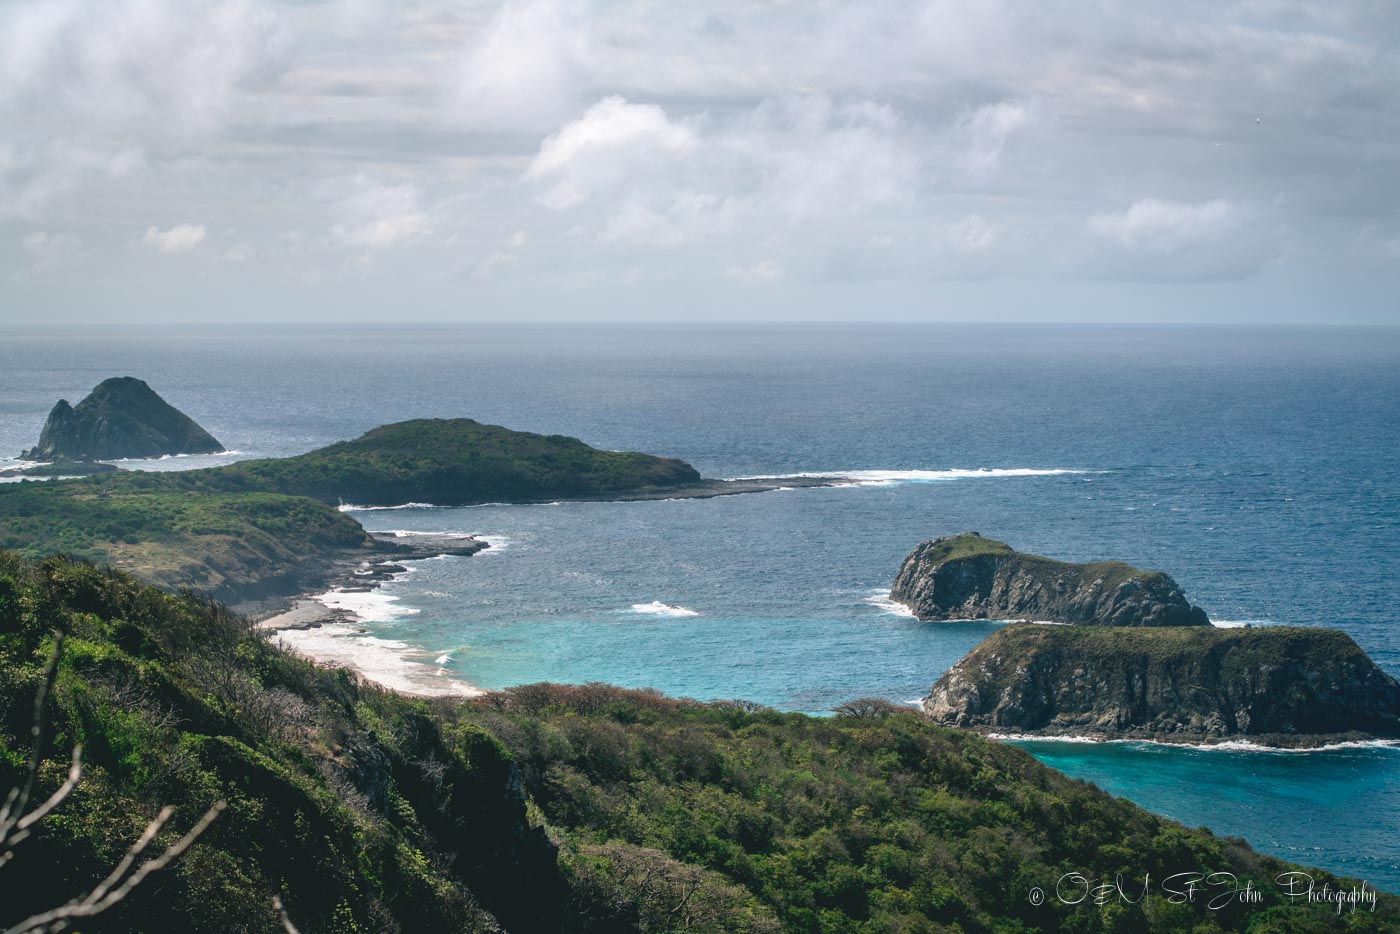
column 551, row 159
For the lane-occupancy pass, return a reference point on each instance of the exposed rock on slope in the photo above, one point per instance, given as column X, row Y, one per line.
column 970, row 577
column 122, row 417
column 1288, row 686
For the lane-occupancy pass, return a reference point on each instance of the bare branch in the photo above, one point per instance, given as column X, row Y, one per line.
column 287, row 924
column 109, row 893
column 21, row 827
column 18, row 799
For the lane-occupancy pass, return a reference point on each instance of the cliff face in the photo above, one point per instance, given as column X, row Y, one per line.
column 970, row 577
column 122, row 417
column 1281, row 685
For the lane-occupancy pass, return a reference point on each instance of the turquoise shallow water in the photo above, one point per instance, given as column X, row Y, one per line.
column 1261, row 468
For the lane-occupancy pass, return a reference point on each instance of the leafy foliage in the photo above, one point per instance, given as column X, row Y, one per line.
column 351, row 804
column 364, row 811
column 871, row 821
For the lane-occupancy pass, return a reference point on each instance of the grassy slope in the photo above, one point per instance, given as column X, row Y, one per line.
column 1111, row 573
column 217, row 544
column 441, row 461
column 1254, row 647
column 368, row 812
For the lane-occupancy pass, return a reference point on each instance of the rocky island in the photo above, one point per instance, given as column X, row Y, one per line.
column 1274, row 686
column 121, row 418
column 970, row 577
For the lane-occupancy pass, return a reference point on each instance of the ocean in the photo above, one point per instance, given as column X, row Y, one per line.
column 1259, row 467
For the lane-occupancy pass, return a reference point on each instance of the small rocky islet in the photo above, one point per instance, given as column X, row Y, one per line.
column 121, row 418
column 1130, row 658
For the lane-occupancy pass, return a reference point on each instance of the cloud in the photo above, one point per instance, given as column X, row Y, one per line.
column 96, row 89
column 381, row 216
column 49, row 249
column 765, row 272
column 525, row 67
column 893, row 140
column 983, row 133
column 492, row 266
column 640, row 176
column 602, row 149
column 1151, row 225
column 182, row 238
column 973, row 234
column 165, row 65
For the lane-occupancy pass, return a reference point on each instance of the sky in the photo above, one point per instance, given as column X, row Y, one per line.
column 905, row 160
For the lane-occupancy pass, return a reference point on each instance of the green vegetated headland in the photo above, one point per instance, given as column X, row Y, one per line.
column 447, row 462
column 551, row 808
column 243, row 529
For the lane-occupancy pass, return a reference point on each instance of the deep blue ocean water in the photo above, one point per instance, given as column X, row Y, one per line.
column 1261, row 468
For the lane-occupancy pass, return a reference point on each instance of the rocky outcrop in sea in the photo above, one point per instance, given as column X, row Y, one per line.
column 121, row 418
column 970, row 577
column 1275, row 685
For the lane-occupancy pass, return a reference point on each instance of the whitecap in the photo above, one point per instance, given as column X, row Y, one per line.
column 351, row 507
column 443, row 659
column 882, row 600
column 1240, row 623
column 887, row 477
column 657, row 608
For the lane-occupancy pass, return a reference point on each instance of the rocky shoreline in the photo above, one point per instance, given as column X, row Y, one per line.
column 344, row 638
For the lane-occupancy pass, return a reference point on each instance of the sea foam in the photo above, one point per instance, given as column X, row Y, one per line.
column 657, row 608
column 351, row 507
column 882, row 600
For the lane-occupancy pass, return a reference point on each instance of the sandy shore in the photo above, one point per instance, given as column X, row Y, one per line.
column 330, row 627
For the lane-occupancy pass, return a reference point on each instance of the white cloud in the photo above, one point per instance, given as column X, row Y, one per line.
column 604, row 147
column 49, row 249
column 639, row 176
column 493, row 265
column 518, row 239
column 1153, row 225
column 98, row 88
column 525, row 67
column 381, row 216
column 764, row 272
column 166, row 65
column 182, row 238
column 973, row 234
column 983, row 134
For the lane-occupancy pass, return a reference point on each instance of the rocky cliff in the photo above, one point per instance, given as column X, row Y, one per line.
column 1287, row 686
column 122, row 417
column 970, row 577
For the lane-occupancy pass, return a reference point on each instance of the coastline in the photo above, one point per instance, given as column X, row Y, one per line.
column 1270, row 742
column 328, row 624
